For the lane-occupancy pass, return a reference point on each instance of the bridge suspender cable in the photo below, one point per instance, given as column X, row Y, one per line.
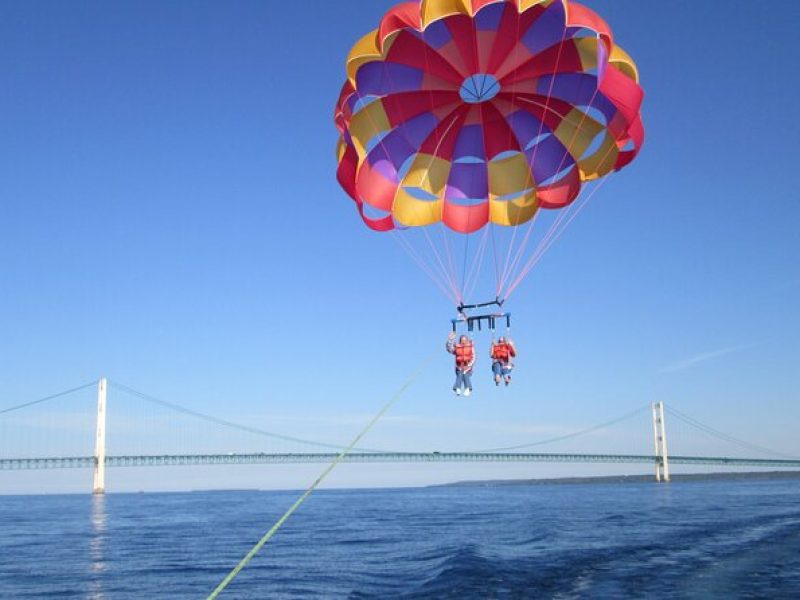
column 274, row 529
column 724, row 436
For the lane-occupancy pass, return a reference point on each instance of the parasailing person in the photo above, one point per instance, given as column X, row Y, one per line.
column 464, row 352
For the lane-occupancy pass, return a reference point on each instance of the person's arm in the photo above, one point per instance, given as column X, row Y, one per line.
column 512, row 351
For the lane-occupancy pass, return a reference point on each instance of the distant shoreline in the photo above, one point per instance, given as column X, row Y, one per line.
column 691, row 477
column 605, row 479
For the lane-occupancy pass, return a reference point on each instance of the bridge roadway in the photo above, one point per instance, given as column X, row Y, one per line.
column 9, row 464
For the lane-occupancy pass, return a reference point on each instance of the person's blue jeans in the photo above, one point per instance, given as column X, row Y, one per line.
column 462, row 380
column 499, row 368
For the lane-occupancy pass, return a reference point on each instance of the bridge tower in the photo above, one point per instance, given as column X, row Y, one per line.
column 99, row 486
column 660, row 438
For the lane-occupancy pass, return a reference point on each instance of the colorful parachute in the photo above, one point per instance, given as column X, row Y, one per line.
column 476, row 113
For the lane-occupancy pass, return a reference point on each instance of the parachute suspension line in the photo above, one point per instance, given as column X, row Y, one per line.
column 464, row 264
column 506, row 270
column 476, row 271
column 454, row 278
column 501, row 280
column 339, row 458
column 440, row 282
column 538, row 255
column 465, row 284
column 553, row 235
column 550, row 91
column 450, row 260
column 546, row 242
column 520, row 251
column 496, row 266
column 550, row 238
column 475, row 264
column 447, row 273
column 567, row 152
column 447, row 277
column 447, row 267
column 429, row 269
column 443, row 232
column 508, row 257
column 466, row 276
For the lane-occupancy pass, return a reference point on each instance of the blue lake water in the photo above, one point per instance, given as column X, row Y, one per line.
column 686, row 540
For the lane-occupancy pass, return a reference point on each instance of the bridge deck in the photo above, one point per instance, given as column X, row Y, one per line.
column 8, row 464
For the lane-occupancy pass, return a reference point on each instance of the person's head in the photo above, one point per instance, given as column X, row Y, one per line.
column 502, row 340
column 464, row 339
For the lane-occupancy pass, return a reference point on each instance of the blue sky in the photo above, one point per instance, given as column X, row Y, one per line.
column 169, row 218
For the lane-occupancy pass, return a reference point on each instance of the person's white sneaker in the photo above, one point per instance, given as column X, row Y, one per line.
column 467, row 392
column 458, row 391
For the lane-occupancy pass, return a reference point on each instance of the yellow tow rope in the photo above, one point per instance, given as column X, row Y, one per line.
column 274, row 529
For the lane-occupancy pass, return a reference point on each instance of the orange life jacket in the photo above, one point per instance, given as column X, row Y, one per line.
column 503, row 352
column 464, row 354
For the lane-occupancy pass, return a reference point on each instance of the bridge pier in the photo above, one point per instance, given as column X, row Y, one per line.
column 99, row 485
column 660, row 438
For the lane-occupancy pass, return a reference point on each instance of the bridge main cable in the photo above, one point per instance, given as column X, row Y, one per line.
column 46, row 398
column 567, row 436
column 231, row 424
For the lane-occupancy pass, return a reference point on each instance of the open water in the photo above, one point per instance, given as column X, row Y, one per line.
column 683, row 540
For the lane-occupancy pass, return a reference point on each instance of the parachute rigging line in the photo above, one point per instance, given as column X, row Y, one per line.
column 496, row 266
column 448, row 274
column 409, row 249
column 500, row 280
column 538, row 135
column 446, row 277
column 575, row 209
column 544, row 247
column 476, row 270
column 567, row 152
column 439, row 139
column 569, row 215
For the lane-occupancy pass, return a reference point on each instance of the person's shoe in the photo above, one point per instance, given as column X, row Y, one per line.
column 467, row 391
column 497, row 382
column 457, row 391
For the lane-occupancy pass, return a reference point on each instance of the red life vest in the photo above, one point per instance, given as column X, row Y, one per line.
column 464, row 354
column 503, row 352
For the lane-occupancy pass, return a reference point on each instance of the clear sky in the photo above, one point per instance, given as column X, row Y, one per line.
column 169, row 218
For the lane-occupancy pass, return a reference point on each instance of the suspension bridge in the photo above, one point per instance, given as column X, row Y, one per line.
column 98, row 460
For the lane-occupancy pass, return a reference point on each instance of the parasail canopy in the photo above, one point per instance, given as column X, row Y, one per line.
column 464, row 114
